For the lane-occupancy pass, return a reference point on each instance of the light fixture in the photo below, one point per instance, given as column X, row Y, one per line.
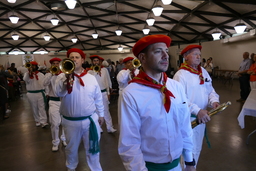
column 240, row 27
column 42, row 52
column 11, row 1
column 120, row 48
column 216, row 35
column 70, row 4
column 157, row 10
column 15, row 36
column 95, row 35
column 14, row 19
column 146, row 30
column 150, row 21
column 118, row 32
column 15, row 52
column 55, row 21
column 74, row 39
column 166, row 2
column 47, row 37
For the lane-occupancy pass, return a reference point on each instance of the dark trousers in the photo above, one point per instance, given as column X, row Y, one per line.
column 3, row 100
column 244, row 81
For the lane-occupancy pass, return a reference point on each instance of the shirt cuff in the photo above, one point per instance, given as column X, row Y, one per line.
column 188, row 156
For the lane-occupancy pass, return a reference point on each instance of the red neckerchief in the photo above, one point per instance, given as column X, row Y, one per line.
column 58, row 73
column 199, row 72
column 144, row 79
column 70, row 81
column 34, row 73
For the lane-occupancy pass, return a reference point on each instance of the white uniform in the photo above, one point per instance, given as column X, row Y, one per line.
column 105, row 84
column 199, row 96
column 54, row 109
column 148, row 132
column 82, row 101
column 36, row 100
column 123, row 77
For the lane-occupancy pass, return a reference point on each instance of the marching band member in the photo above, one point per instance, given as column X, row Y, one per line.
column 82, row 110
column 35, row 93
column 54, row 105
column 103, row 79
column 155, row 119
column 199, row 91
column 123, row 77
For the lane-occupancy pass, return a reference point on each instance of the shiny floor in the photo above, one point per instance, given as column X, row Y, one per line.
column 25, row 147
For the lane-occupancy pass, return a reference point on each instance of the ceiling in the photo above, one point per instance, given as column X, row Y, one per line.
column 185, row 21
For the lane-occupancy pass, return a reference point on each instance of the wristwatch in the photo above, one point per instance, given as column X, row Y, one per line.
column 193, row 163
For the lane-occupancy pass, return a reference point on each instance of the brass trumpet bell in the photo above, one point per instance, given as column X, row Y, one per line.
column 136, row 63
column 96, row 68
column 54, row 70
column 67, row 66
column 28, row 65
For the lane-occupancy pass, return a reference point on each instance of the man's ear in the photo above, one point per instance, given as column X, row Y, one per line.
column 142, row 57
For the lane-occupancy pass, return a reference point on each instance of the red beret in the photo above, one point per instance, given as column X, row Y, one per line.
column 34, row 63
column 148, row 40
column 96, row 56
column 76, row 50
column 190, row 47
column 127, row 59
column 54, row 59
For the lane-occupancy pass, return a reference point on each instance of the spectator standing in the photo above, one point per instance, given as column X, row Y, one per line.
column 252, row 72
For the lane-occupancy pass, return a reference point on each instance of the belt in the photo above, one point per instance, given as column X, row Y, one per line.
column 104, row 90
column 162, row 166
column 54, row 98
column 93, row 133
column 39, row 91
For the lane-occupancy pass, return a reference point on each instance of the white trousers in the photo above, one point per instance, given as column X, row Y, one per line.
column 107, row 116
column 77, row 131
column 198, row 135
column 55, row 120
column 36, row 101
column 253, row 85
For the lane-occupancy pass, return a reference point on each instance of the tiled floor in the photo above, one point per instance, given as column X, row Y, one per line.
column 25, row 147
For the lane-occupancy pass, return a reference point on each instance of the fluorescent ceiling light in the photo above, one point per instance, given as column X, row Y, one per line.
column 216, row 35
column 70, row 4
column 11, row 1
column 42, row 52
column 157, row 10
column 118, row 32
column 95, row 35
column 55, row 21
column 120, row 48
column 15, row 52
column 14, row 19
column 146, row 30
column 240, row 27
column 166, row 2
column 47, row 37
column 15, row 36
column 150, row 21
column 74, row 39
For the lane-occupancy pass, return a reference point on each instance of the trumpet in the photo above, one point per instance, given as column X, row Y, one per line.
column 212, row 112
column 96, row 68
column 54, row 70
column 136, row 63
column 67, row 66
column 28, row 65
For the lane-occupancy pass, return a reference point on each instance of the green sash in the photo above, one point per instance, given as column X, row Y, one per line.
column 93, row 134
column 39, row 91
column 103, row 90
column 54, row 98
column 162, row 166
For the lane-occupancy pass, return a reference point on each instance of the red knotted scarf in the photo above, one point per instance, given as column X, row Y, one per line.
column 144, row 79
column 70, row 80
column 185, row 66
column 34, row 73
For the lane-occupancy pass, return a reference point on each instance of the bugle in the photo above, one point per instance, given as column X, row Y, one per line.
column 212, row 112
column 136, row 63
column 96, row 68
column 28, row 65
column 54, row 70
column 67, row 66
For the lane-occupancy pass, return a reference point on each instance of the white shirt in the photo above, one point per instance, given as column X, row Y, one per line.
column 199, row 95
column 34, row 84
column 83, row 100
column 148, row 132
column 103, row 80
column 123, row 77
column 49, row 82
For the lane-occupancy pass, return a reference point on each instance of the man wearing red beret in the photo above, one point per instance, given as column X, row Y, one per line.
column 103, row 79
column 82, row 110
column 123, row 77
column 199, row 91
column 54, row 106
column 35, row 93
column 155, row 124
